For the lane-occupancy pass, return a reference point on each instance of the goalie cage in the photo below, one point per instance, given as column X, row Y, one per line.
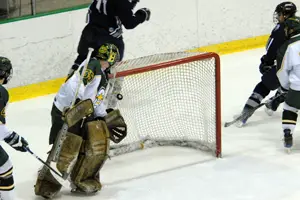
column 170, row 99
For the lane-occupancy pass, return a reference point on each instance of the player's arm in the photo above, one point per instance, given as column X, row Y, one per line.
column 128, row 19
column 10, row 137
column 91, row 80
column 276, row 39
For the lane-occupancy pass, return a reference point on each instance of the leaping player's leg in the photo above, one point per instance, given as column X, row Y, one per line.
column 87, row 39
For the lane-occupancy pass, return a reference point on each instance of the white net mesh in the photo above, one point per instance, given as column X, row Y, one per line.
column 173, row 105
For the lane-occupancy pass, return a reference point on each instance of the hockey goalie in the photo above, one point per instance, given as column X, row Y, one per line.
column 80, row 153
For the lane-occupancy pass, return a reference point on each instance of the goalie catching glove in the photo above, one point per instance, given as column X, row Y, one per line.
column 116, row 125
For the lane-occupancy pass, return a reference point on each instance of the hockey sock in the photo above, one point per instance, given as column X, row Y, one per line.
column 259, row 93
column 6, row 181
column 289, row 120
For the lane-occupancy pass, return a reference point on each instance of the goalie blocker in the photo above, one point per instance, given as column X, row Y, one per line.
column 84, row 150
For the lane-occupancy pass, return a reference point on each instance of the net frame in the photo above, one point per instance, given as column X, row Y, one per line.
column 165, row 62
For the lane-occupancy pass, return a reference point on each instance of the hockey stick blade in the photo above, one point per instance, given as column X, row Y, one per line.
column 249, row 112
column 246, row 114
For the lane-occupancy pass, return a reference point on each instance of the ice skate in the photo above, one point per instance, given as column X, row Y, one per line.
column 288, row 139
column 245, row 115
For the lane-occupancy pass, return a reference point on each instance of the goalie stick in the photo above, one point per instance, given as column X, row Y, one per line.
column 249, row 112
column 56, row 174
column 46, row 164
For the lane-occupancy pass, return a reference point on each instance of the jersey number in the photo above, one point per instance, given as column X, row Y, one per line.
column 101, row 6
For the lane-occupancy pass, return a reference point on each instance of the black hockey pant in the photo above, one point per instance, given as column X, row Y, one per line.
column 93, row 36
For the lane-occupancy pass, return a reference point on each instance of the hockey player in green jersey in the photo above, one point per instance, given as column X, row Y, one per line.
column 10, row 137
column 288, row 73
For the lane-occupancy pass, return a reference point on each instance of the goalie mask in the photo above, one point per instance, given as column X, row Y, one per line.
column 286, row 9
column 6, row 70
column 109, row 53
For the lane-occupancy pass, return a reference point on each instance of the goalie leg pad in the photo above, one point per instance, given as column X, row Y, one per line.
column 69, row 153
column 85, row 174
column 47, row 186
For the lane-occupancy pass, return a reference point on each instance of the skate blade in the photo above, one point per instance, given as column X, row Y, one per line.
column 239, row 124
column 288, row 150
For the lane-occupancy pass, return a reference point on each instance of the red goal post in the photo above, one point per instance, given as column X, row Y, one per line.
column 171, row 99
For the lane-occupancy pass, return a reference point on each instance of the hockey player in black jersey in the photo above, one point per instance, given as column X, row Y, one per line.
column 105, row 19
column 269, row 80
column 10, row 137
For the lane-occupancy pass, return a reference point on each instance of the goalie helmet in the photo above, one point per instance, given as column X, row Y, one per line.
column 292, row 26
column 286, row 9
column 108, row 52
column 6, row 70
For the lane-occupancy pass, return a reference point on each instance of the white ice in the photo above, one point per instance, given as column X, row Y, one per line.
column 253, row 165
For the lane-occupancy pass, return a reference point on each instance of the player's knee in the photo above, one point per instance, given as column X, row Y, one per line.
column 270, row 80
column 6, row 177
column 262, row 89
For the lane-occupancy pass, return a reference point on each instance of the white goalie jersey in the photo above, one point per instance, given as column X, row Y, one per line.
column 92, row 87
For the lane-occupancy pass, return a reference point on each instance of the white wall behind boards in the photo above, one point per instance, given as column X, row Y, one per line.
column 44, row 48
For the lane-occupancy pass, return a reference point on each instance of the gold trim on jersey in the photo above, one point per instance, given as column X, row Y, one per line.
column 7, row 173
column 10, row 187
column 289, row 121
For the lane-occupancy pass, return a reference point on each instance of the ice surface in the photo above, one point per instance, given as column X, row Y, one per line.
column 254, row 165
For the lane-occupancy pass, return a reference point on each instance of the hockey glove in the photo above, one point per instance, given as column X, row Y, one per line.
column 17, row 142
column 274, row 102
column 281, row 91
column 144, row 13
column 134, row 2
column 265, row 68
column 265, row 65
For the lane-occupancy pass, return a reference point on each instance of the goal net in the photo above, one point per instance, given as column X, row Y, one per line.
column 170, row 99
